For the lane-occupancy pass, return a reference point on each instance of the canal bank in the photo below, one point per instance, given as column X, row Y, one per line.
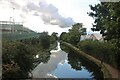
column 104, row 69
column 65, row 65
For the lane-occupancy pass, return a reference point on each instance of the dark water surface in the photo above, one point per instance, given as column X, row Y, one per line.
column 66, row 65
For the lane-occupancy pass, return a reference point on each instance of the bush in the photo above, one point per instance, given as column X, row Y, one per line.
column 101, row 50
column 17, row 60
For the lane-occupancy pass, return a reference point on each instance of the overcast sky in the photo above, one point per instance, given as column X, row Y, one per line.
column 48, row 15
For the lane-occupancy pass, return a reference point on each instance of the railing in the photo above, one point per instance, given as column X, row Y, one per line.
column 10, row 22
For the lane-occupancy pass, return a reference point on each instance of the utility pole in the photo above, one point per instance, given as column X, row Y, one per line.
column 13, row 14
column 13, row 19
column 10, row 24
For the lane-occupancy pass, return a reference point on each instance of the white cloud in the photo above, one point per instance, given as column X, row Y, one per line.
column 52, row 15
column 49, row 13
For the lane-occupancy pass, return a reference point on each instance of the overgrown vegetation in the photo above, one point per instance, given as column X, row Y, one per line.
column 107, row 21
column 19, row 56
column 74, row 34
column 106, row 17
column 17, row 60
column 103, row 51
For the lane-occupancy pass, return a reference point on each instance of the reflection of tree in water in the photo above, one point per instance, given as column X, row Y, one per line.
column 91, row 67
column 44, row 56
column 76, row 61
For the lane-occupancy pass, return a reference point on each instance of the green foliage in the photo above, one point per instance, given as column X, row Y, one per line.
column 19, row 56
column 45, row 40
column 107, row 21
column 101, row 50
column 54, row 34
column 74, row 34
column 74, row 60
column 53, row 37
column 64, row 36
column 17, row 61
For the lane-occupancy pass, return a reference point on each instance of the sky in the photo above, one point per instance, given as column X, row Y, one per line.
column 48, row 15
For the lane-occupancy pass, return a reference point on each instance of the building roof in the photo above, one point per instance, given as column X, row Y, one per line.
column 94, row 36
column 97, row 36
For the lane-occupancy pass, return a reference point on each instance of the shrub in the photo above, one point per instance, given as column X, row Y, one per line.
column 102, row 50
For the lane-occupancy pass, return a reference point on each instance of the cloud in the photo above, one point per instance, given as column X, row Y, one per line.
column 32, row 7
column 11, row 3
column 49, row 14
column 15, row 5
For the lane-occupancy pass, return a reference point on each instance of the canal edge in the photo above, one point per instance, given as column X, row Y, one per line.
column 106, row 72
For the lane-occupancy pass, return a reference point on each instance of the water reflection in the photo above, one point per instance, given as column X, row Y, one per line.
column 43, row 69
column 44, row 56
column 66, row 65
column 57, row 48
column 71, row 68
column 41, row 57
column 74, row 61
column 77, row 62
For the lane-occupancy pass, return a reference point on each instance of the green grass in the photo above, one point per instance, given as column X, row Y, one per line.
column 18, row 35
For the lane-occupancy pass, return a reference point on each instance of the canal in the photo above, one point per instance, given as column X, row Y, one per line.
column 66, row 65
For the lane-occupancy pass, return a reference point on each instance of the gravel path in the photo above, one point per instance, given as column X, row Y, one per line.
column 114, row 72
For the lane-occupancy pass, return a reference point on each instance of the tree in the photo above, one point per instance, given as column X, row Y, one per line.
column 45, row 40
column 76, row 32
column 17, row 60
column 107, row 21
column 53, row 37
column 74, row 60
column 64, row 36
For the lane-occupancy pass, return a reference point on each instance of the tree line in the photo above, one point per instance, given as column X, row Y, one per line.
column 19, row 56
column 106, row 17
column 107, row 20
column 74, row 34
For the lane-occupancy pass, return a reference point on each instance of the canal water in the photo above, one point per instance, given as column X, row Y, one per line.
column 65, row 65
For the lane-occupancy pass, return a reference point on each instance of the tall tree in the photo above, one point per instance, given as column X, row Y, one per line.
column 45, row 40
column 76, row 32
column 64, row 36
column 55, row 35
column 107, row 21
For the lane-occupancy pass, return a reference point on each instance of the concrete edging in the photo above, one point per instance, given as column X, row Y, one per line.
column 106, row 73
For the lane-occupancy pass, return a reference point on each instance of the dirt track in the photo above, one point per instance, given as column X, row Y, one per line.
column 114, row 72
